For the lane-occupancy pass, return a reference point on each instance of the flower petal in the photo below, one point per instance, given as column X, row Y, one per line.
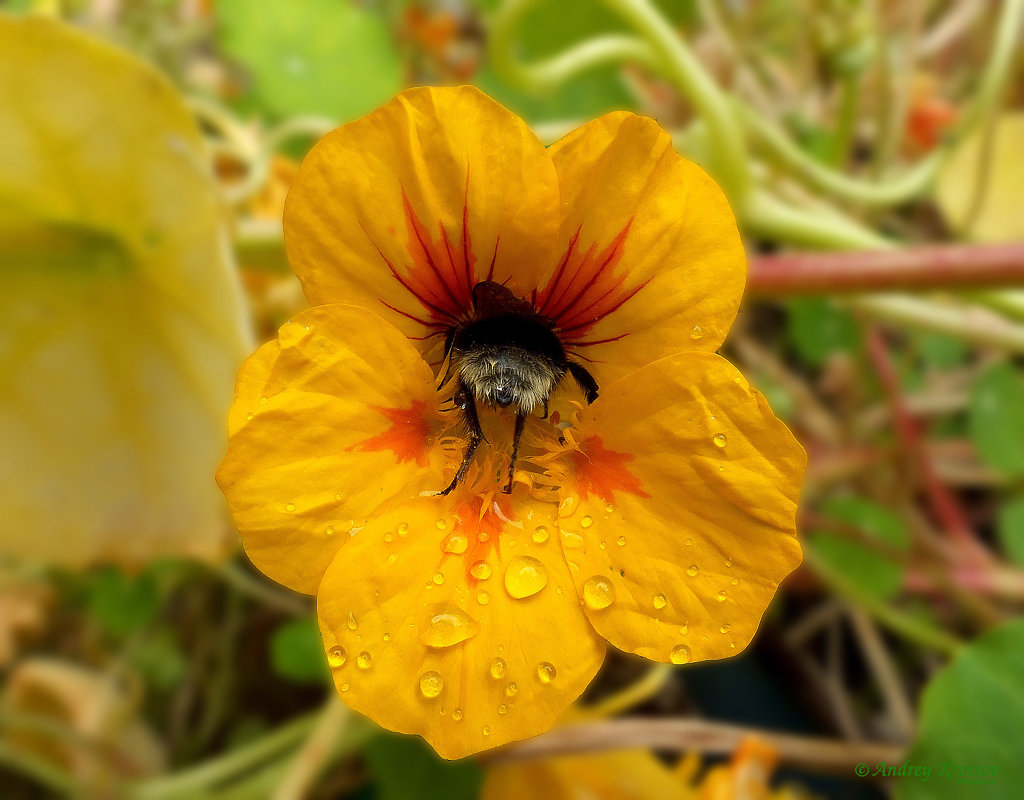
column 652, row 261
column 405, row 210
column 679, row 520
column 468, row 658
column 330, row 420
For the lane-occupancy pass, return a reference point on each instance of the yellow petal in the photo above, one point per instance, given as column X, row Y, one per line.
column 679, row 519
column 613, row 775
column 405, row 210
column 468, row 643
column 331, row 420
column 652, row 262
column 123, row 321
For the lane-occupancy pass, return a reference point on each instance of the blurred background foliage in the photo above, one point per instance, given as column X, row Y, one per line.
column 146, row 148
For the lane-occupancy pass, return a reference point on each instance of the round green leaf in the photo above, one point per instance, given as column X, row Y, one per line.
column 969, row 732
column 296, row 652
column 996, row 419
column 312, row 56
column 1010, row 528
column 817, row 328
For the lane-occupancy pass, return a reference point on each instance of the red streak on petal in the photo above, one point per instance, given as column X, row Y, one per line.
column 473, row 524
column 407, row 437
column 600, row 472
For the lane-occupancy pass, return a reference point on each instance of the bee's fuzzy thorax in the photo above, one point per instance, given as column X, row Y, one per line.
column 508, row 375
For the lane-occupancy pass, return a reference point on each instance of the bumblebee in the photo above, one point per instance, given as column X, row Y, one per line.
column 507, row 356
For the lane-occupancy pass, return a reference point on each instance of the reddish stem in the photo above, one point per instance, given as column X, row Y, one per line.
column 944, row 506
column 968, row 266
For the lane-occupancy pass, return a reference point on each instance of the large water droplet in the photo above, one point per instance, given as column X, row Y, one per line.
column 696, row 332
column 524, row 577
column 481, row 570
column 352, row 622
column 680, row 654
column 660, row 601
column 438, row 578
column 720, row 440
column 364, row 660
column 725, row 628
column 336, row 657
column 540, row 535
column 449, row 627
column 498, row 668
column 692, row 571
column 587, row 521
column 431, row 684
column 598, row 592
column 545, row 672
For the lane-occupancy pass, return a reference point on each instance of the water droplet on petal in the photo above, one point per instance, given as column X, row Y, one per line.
column 621, row 541
column 680, row 654
column 330, row 529
column 545, row 672
column 344, row 687
column 587, row 521
column 290, row 507
column 389, row 537
column 725, row 628
column 598, row 592
column 438, row 578
column 689, row 542
column 403, row 528
column 540, row 535
column 442, row 524
column 352, row 622
column 364, row 660
column 692, row 571
column 431, row 684
column 481, row 570
column 720, row 440
column 483, row 598
column 684, row 628
column 511, row 690
column 696, row 332
column 457, row 714
column 524, row 577
column 735, row 581
column 449, row 627
column 498, row 668
column 720, row 597
column 503, row 709
column 336, row 657
column 608, row 509
column 728, row 562
column 250, row 415
column 660, row 601
column 486, row 730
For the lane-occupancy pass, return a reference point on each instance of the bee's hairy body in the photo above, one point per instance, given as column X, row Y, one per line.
column 508, row 355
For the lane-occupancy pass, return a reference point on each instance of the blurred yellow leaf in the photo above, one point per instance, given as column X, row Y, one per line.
column 122, row 319
column 996, row 218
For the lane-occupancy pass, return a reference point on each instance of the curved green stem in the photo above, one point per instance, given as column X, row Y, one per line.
column 765, row 215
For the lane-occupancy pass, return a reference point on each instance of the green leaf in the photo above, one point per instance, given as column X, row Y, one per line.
column 160, row 661
column 941, row 351
column 124, row 321
column 312, row 56
column 1010, row 528
column 871, row 571
column 817, row 328
column 970, row 722
column 297, row 653
column 123, row 604
column 404, row 768
column 996, row 419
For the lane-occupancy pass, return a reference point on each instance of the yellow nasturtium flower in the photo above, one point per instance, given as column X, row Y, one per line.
column 660, row 518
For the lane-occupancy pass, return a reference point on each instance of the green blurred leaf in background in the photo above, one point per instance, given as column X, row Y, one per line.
column 996, row 418
column 405, row 768
column 296, row 652
column 818, row 328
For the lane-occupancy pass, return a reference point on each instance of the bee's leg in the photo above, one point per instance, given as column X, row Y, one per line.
column 464, row 399
column 516, row 437
column 584, row 379
column 545, row 409
column 449, row 340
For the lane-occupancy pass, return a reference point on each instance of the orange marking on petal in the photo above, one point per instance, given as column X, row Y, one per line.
column 600, row 472
column 477, row 520
column 586, row 286
column 407, row 437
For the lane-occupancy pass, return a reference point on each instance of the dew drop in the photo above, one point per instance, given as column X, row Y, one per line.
column 389, row 537
column 685, row 628
column 449, row 627
column 486, row 730
column 720, row 440
column 725, row 628
column 455, row 543
column 498, row 668
column 545, row 672
column 353, row 624
column 608, row 509
column 387, row 637
column 692, row 570
column 483, row 536
column 728, row 562
column 483, row 598
column 441, row 524
column 503, row 709
column 481, row 570
column 438, row 578
column 621, row 541
column 344, row 687
column 680, row 654
column 336, row 657
column 735, row 582
column 689, row 542
column 392, row 559
column 732, row 645
column 524, row 577
column 720, row 597
column 403, row 528
column 337, row 496
column 604, row 545
column 364, row 660
column 511, row 690
column 540, row 535
column 721, row 467
column 431, row 684
column 696, row 332
column 249, row 415
column 457, row 714
column 660, row 601
column 598, row 592
column 264, row 401
column 290, row 507
column 587, row 521
column 330, row 529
